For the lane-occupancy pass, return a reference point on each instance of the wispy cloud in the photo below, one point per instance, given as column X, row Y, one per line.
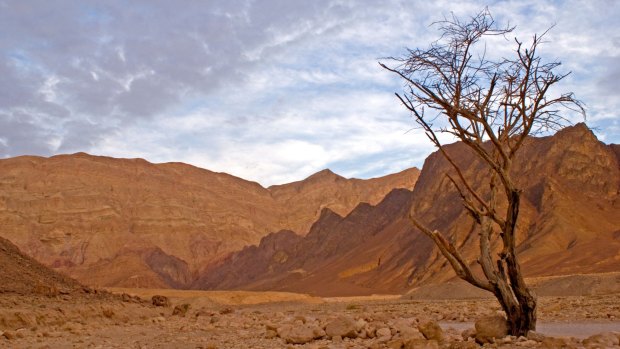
column 268, row 90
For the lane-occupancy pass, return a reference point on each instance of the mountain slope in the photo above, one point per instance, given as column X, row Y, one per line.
column 569, row 223
column 21, row 274
column 128, row 222
column 306, row 199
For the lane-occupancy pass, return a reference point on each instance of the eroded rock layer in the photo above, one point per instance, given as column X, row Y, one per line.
column 569, row 223
column 131, row 223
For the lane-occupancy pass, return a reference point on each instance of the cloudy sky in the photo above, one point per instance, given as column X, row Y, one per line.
column 268, row 90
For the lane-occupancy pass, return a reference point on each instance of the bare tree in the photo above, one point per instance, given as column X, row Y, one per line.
column 491, row 106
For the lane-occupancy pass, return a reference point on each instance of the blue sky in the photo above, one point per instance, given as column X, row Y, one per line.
column 271, row 91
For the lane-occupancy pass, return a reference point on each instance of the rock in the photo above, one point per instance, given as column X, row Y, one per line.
column 227, row 310
column 108, row 312
column 557, row 342
column 160, row 301
column 420, row 343
column 9, row 335
column 490, row 328
column 406, row 330
column 300, row 334
column 343, row 326
column 468, row 333
column 431, row 330
column 360, row 324
column 527, row 343
column 395, row 344
column 383, row 334
column 180, row 309
column 535, row 336
column 158, row 320
column 269, row 334
column 271, row 326
column 606, row 339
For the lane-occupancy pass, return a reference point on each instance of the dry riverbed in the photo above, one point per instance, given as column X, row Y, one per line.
column 196, row 319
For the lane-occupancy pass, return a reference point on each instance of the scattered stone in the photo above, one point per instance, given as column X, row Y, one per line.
column 269, row 334
column 181, row 309
column 226, row 310
column 395, row 344
column 108, row 312
column 160, row 301
column 343, row 326
column 557, row 342
column 431, row 330
column 300, row 334
column 158, row 319
column 527, row 343
column 606, row 339
column 490, row 328
column 384, row 334
column 9, row 335
column 535, row 336
column 406, row 330
column 468, row 333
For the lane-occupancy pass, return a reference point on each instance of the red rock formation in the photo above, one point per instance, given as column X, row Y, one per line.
column 128, row 222
column 569, row 224
column 304, row 200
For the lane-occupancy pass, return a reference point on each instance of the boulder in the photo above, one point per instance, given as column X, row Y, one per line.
column 384, row 334
column 431, row 330
column 406, row 330
column 342, row 326
column 300, row 334
column 557, row 342
column 490, row 328
column 604, row 340
column 160, row 301
column 180, row 309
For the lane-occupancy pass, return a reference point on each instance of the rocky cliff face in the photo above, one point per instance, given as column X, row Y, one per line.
column 306, row 199
column 569, row 224
column 569, row 208
column 128, row 222
column 339, row 256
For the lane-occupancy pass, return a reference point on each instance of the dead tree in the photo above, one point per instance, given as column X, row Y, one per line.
column 491, row 106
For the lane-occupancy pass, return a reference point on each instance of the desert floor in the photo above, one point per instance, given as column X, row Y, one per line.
column 261, row 319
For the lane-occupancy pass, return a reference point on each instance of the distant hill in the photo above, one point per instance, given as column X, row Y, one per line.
column 23, row 275
column 569, row 223
column 131, row 223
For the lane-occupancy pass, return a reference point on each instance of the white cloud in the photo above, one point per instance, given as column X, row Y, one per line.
column 268, row 91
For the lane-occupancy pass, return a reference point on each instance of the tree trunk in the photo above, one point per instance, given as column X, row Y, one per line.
column 520, row 316
column 521, row 319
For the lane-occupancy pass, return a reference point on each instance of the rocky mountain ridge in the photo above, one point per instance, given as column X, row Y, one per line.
column 569, row 224
column 128, row 222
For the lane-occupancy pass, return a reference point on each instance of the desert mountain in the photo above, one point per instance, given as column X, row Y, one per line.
column 304, row 200
column 570, row 223
column 128, row 222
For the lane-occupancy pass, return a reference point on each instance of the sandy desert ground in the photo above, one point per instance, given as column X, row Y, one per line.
column 127, row 318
